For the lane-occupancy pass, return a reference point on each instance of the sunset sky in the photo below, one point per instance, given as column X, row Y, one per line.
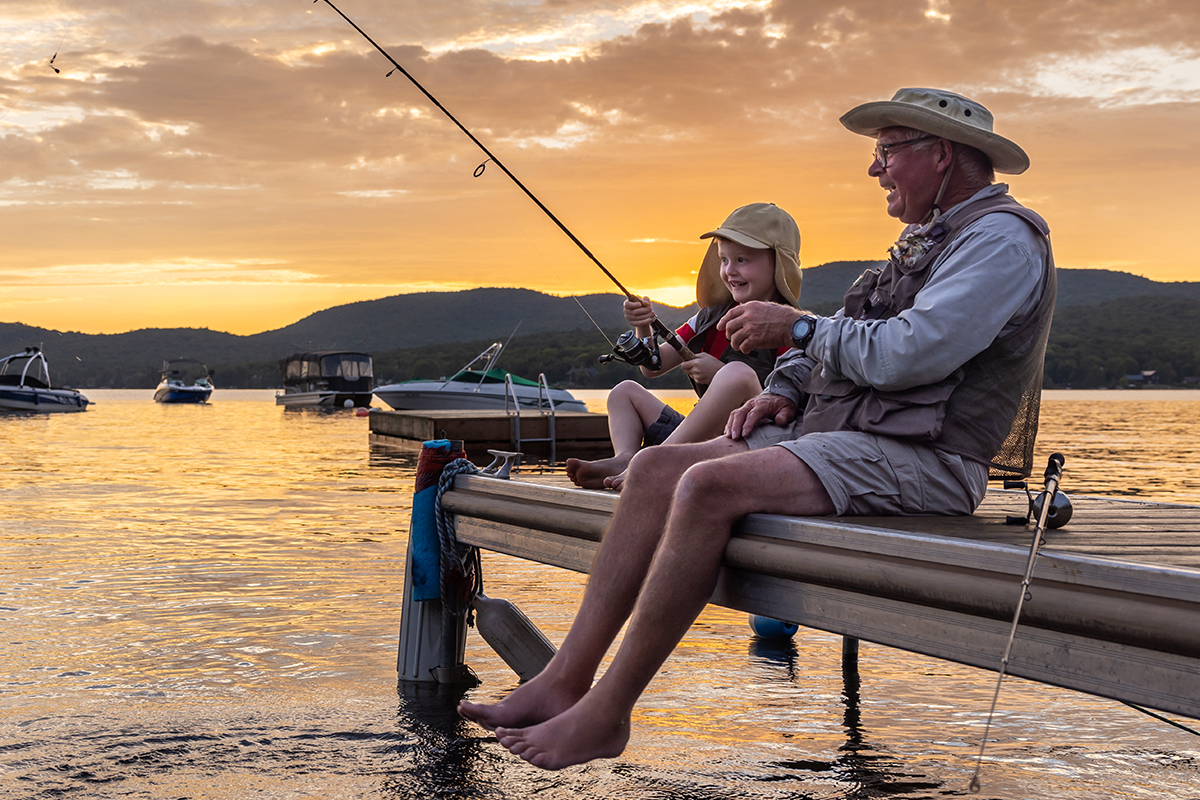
column 240, row 165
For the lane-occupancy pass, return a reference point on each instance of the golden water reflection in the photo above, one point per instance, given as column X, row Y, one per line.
column 190, row 592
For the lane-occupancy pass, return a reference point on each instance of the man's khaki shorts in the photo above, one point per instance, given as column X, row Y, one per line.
column 869, row 475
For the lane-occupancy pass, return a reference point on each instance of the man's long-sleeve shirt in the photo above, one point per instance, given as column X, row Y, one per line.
column 984, row 284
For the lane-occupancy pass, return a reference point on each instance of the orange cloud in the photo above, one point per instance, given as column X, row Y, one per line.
column 191, row 136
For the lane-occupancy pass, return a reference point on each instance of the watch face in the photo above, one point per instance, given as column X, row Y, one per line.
column 802, row 329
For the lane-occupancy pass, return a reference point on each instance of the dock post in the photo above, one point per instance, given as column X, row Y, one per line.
column 427, row 635
column 850, row 679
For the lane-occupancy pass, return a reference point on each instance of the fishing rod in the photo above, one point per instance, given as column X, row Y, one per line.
column 1053, row 475
column 625, row 349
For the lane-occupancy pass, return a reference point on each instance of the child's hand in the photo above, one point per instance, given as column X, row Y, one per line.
column 702, row 368
column 638, row 313
column 758, row 324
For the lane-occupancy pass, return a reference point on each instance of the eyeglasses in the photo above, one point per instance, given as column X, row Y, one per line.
column 882, row 151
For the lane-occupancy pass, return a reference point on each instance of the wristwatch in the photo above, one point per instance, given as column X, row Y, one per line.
column 803, row 330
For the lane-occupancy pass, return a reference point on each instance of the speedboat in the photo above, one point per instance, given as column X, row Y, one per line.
column 175, row 388
column 326, row 379
column 478, row 385
column 25, row 386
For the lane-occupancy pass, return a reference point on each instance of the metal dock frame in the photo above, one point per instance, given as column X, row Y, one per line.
column 545, row 407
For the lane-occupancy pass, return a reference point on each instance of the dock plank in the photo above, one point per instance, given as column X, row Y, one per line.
column 576, row 433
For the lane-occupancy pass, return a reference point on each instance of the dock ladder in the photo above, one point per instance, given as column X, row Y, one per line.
column 545, row 406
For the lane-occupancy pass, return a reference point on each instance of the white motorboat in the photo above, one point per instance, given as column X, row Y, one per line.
column 175, row 386
column 483, row 387
column 326, row 379
column 25, row 386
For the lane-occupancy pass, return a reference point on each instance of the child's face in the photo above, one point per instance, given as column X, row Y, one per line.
column 749, row 274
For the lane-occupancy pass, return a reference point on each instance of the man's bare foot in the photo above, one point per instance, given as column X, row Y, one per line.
column 615, row 482
column 530, row 703
column 591, row 474
column 578, row 735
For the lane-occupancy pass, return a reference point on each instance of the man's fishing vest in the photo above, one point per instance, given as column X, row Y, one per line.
column 761, row 360
column 987, row 409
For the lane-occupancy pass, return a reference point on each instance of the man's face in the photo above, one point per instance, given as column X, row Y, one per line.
column 910, row 178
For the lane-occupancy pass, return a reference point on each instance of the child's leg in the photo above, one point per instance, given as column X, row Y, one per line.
column 731, row 387
column 631, row 410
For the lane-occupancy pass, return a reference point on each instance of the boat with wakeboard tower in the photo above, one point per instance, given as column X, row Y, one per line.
column 326, row 379
column 25, row 386
column 478, row 385
column 184, row 380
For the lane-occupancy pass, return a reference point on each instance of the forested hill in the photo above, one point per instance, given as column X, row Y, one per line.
column 1097, row 346
column 426, row 320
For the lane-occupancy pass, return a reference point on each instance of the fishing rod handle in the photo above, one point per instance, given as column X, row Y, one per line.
column 671, row 338
column 1054, row 467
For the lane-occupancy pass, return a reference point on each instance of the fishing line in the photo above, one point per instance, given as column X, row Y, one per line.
column 1161, row 718
column 490, row 156
column 478, row 172
column 659, row 328
column 1053, row 476
column 70, row 24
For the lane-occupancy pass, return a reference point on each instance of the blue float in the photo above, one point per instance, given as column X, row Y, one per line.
column 769, row 628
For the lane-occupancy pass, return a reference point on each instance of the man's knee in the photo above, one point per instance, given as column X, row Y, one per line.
column 657, row 463
column 708, row 484
column 671, row 461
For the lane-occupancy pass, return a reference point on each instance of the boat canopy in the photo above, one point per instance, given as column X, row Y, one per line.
column 25, row 369
column 326, row 364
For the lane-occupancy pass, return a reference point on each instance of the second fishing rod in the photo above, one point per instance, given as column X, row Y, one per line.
column 628, row 348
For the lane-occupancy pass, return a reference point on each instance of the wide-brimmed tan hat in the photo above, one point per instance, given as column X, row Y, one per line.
column 944, row 114
column 762, row 226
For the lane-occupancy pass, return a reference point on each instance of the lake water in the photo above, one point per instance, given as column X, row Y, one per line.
column 203, row 602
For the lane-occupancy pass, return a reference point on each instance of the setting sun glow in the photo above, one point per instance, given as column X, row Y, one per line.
column 201, row 164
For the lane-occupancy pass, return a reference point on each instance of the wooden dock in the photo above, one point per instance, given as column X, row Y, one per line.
column 577, row 434
column 1114, row 607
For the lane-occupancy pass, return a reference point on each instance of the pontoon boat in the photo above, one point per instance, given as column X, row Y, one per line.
column 326, row 379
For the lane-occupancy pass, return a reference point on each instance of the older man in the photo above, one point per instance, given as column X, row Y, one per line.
column 925, row 380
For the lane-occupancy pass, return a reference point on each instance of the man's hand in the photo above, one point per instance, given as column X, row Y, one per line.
column 759, row 324
column 759, row 411
column 702, row 368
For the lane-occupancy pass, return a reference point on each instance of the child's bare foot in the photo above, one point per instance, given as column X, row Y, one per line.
column 615, row 482
column 577, row 735
column 591, row 474
column 530, row 703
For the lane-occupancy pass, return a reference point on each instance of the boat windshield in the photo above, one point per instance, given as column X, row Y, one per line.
column 182, row 370
column 346, row 365
column 491, row 376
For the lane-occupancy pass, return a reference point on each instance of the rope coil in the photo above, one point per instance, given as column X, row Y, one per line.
column 459, row 563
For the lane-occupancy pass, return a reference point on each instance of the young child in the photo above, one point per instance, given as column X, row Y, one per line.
column 754, row 255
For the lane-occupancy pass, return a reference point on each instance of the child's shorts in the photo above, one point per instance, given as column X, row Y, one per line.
column 661, row 428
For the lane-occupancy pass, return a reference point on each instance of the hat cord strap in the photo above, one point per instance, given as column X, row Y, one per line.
column 936, row 211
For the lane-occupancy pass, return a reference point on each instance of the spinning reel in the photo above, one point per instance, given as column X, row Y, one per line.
column 635, row 351
column 644, row 352
column 1060, row 507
